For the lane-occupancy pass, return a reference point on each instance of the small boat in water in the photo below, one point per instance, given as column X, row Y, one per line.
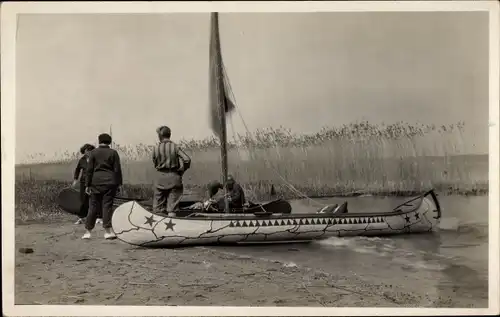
column 135, row 225
column 271, row 222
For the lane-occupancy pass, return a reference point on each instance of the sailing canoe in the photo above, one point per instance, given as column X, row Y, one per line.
column 135, row 225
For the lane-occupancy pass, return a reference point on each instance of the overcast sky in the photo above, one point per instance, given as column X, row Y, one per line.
column 77, row 74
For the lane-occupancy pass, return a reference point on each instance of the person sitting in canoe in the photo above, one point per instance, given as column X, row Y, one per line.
column 210, row 205
column 80, row 171
column 236, row 196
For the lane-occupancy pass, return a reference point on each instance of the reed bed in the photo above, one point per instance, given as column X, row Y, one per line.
column 392, row 159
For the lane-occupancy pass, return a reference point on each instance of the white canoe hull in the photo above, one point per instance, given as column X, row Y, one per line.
column 135, row 225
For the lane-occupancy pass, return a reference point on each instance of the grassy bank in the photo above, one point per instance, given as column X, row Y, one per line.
column 396, row 159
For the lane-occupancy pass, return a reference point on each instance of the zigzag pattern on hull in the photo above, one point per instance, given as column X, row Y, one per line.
column 304, row 222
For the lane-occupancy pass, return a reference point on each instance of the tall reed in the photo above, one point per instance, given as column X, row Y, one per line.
column 359, row 156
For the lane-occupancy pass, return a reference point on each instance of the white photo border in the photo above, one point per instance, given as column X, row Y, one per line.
column 9, row 12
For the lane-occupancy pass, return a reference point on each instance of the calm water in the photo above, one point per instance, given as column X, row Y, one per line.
column 453, row 262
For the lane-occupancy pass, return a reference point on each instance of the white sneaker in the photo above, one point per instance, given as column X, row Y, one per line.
column 79, row 221
column 109, row 234
column 87, row 235
column 98, row 220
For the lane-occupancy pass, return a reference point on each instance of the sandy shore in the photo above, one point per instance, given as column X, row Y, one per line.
column 63, row 269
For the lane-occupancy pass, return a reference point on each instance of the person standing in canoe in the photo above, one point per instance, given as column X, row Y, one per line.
column 103, row 180
column 80, row 173
column 170, row 162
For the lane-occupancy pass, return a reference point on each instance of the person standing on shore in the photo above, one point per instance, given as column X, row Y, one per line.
column 80, row 173
column 103, row 180
column 170, row 162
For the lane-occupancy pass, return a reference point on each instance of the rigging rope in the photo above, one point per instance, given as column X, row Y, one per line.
column 286, row 183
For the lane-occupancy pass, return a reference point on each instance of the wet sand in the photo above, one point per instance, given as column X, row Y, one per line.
column 63, row 269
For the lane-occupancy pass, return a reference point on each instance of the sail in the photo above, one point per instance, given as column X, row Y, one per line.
column 218, row 92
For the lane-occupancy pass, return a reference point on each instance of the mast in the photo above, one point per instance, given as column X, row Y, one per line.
column 218, row 100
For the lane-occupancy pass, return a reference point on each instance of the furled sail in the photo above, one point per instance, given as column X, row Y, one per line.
column 219, row 102
column 218, row 94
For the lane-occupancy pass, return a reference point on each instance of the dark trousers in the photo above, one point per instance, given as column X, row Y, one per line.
column 167, row 192
column 101, row 202
column 84, row 200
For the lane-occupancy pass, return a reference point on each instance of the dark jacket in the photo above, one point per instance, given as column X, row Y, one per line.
column 81, row 166
column 104, row 167
column 213, row 188
column 236, row 198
